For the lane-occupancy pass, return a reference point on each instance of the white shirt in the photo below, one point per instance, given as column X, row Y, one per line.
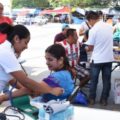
column 8, row 63
column 100, row 36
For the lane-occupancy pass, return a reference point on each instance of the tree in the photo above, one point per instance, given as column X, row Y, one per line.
column 80, row 3
column 30, row 3
column 57, row 3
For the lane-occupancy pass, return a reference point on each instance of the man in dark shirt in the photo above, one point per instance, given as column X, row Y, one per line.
column 62, row 35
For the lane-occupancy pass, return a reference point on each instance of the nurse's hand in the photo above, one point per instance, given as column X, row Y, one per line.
column 2, row 98
column 57, row 91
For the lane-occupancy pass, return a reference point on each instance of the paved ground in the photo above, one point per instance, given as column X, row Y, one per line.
column 43, row 36
column 111, row 101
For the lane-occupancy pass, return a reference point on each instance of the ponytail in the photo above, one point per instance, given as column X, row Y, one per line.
column 20, row 30
column 5, row 28
column 67, row 66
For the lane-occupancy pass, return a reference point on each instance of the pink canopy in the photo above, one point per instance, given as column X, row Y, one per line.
column 23, row 13
column 64, row 10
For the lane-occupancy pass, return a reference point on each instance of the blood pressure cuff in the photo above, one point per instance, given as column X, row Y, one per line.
column 51, row 82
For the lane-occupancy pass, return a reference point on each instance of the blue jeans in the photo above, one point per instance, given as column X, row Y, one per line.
column 95, row 69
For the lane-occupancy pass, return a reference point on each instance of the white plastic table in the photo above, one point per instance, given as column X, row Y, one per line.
column 80, row 113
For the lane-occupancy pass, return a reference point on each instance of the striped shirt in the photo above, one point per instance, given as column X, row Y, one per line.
column 72, row 51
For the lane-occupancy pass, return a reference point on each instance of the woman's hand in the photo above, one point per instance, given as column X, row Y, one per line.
column 54, row 91
column 57, row 91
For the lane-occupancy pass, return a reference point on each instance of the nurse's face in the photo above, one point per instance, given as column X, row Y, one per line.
column 20, row 44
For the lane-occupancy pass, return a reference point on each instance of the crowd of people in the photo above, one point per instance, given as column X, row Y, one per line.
column 65, row 58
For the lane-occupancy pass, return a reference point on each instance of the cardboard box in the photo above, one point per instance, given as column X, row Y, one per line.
column 117, row 91
column 63, row 115
column 116, row 53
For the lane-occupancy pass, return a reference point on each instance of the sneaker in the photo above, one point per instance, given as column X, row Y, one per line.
column 103, row 102
column 91, row 101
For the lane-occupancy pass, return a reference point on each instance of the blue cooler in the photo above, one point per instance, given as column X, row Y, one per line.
column 66, row 114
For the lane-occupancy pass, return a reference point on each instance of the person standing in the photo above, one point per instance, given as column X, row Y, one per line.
column 85, row 26
column 101, row 42
column 2, row 20
column 101, row 15
column 62, row 35
column 116, row 33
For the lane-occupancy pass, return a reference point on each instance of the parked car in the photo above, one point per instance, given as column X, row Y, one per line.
column 24, row 20
column 40, row 20
column 14, row 16
column 20, row 20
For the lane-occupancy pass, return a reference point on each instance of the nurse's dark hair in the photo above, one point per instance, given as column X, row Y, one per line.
column 58, row 51
column 11, row 31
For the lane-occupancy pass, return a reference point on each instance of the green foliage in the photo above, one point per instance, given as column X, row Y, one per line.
column 30, row 3
column 57, row 3
column 80, row 3
column 41, row 3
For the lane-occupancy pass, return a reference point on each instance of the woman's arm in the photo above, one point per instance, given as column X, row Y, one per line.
column 13, row 82
column 25, row 91
column 16, row 93
column 35, row 87
column 81, row 32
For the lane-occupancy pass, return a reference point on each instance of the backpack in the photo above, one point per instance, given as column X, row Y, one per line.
column 81, row 98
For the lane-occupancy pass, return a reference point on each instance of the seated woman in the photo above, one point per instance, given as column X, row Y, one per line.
column 61, row 76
